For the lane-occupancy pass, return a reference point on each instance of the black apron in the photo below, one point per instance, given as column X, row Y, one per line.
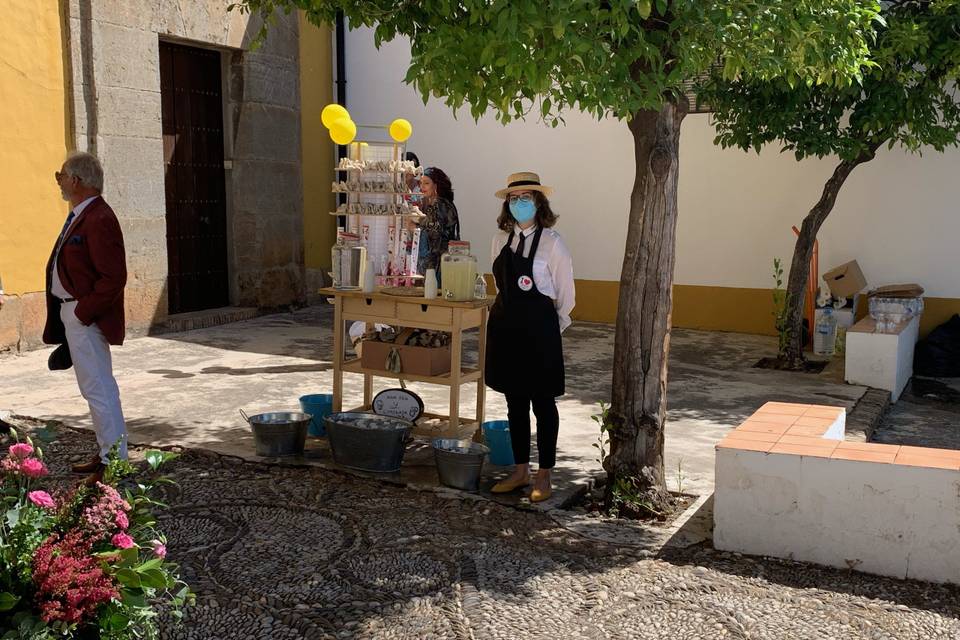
column 524, row 350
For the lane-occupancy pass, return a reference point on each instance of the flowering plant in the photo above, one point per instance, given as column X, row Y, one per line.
column 84, row 562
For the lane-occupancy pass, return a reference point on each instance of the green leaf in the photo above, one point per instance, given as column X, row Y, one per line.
column 118, row 622
column 129, row 557
column 644, row 7
column 132, row 599
column 8, row 600
column 153, row 563
column 13, row 517
column 153, row 578
column 545, row 107
column 157, row 458
column 128, row 578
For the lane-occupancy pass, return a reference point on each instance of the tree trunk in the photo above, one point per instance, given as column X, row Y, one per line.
column 792, row 355
column 638, row 405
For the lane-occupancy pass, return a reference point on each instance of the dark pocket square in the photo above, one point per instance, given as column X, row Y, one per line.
column 60, row 358
column 75, row 240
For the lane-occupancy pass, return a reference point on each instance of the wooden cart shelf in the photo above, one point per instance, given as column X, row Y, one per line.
column 420, row 313
column 467, row 374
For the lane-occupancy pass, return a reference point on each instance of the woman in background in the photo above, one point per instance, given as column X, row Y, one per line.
column 440, row 223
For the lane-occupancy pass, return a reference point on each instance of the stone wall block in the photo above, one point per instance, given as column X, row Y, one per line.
column 129, row 112
column 125, row 57
column 270, row 80
column 267, row 188
column 268, row 133
column 133, row 176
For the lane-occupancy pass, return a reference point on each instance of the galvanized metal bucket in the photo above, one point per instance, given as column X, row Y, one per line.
column 281, row 433
column 366, row 441
column 459, row 462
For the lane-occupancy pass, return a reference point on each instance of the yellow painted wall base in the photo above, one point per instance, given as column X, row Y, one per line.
column 694, row 307
column 734, row 309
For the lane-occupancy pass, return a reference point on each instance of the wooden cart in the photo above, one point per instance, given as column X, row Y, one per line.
column 419, row 313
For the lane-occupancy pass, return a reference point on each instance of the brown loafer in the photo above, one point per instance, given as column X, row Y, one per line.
column 87, row 467
column 96, row 476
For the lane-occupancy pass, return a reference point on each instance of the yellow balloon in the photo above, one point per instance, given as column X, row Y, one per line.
column 343, row 130
column 400, row 129
column 332, row 113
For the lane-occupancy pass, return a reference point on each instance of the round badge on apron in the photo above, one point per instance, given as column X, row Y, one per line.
column 525, row 283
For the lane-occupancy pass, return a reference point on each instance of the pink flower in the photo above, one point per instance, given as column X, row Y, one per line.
column 41, row 499
column 21, row 450
column 33, row 468
column 159, row 549
column 122, row 541
column 121, row 520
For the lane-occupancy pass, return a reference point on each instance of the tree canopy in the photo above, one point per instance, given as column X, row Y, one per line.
column 907, row 97
column 517, row 57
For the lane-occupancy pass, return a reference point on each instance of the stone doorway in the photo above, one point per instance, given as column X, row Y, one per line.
column 194, row 181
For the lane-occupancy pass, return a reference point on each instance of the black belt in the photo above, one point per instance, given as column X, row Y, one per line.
column 67, row 299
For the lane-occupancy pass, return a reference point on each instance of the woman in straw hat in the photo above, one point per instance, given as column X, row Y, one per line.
column 535, row 294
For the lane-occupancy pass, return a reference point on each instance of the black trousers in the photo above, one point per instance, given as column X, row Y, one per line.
column 548, row 424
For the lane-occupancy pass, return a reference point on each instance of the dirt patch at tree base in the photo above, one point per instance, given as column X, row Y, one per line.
column 777, row 364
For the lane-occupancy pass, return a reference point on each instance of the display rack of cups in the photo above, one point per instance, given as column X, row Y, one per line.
column 374, row 202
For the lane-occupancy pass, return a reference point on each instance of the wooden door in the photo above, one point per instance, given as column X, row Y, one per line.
column 192, row 110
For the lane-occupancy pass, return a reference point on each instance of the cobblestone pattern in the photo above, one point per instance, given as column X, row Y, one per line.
column 304, row 553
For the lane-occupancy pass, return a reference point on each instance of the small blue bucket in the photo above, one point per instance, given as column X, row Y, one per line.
column 496, row 434
column 319, row 406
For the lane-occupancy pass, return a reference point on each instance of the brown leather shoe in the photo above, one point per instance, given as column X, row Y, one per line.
column 87, row 467
column 96, row 476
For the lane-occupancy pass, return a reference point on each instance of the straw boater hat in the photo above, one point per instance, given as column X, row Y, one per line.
column 524, row 181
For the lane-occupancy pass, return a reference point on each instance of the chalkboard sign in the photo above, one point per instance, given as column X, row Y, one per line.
column 398, row 403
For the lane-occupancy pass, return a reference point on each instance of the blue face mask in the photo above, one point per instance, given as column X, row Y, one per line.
column 523, row 210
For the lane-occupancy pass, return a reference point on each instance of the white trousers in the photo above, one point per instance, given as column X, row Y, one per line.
column 90, row 353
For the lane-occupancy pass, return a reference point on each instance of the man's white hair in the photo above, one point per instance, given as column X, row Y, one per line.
column 86, row 168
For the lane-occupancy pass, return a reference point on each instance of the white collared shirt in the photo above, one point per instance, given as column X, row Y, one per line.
column 56, row 286
column 552, row 267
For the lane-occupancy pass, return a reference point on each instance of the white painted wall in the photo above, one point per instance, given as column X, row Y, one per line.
column 898, row 216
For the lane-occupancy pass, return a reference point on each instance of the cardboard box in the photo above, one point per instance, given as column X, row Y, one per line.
column 846, row 280
column 911, row 290
column 418, row 361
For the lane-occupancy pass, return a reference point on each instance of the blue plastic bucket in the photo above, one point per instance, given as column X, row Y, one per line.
column 319, row 406
column 496, row 434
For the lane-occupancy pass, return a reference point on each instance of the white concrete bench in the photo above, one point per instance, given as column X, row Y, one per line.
column 788, row 486
column 881, row 360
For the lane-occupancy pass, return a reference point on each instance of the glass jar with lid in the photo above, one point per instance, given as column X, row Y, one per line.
column 458, row 272
column 349, row 259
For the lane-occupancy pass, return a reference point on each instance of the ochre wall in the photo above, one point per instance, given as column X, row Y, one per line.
column 33, row 140
column 317, row 152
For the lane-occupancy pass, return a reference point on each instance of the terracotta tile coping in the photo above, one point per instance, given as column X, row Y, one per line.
column 797, row 429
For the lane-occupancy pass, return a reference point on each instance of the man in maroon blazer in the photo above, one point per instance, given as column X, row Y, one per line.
column 86, row 275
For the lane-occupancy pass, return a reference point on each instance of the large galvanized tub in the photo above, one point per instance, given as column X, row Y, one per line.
column 366, row 441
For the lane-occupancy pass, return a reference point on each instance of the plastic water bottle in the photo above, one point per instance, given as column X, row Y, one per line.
column 480, row 288
column 825, row 337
